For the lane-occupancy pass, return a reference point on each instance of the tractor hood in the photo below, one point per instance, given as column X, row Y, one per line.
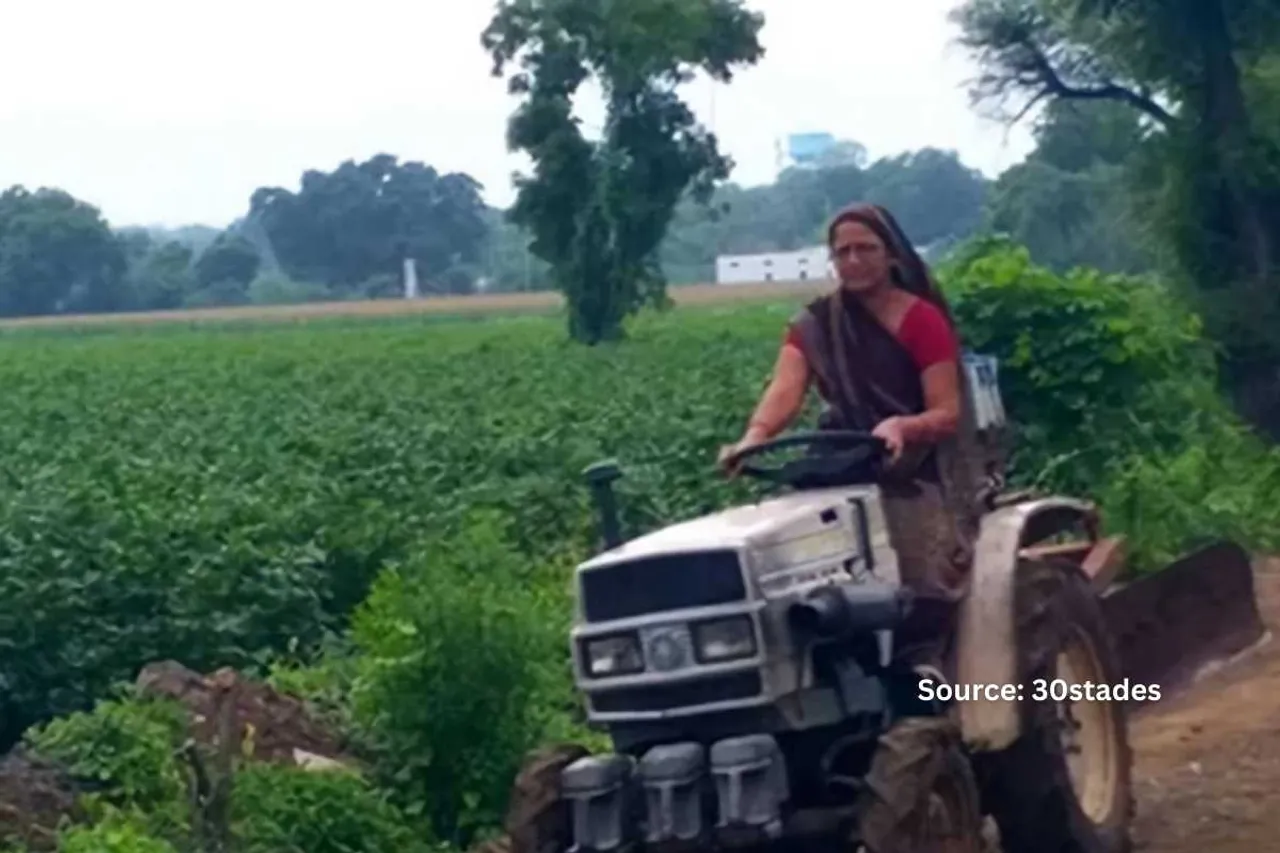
column 758, row 525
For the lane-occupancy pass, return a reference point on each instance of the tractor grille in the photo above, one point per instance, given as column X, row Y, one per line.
column 706, row 691
column 658, row 584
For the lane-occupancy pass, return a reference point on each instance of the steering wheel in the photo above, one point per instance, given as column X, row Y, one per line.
column 857, row 464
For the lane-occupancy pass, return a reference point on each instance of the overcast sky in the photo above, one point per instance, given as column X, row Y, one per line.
column 170, row 113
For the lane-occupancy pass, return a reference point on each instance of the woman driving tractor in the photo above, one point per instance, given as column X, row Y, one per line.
column 885, row 357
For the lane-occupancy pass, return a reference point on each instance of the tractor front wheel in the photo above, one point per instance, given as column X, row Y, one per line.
column 538, row 820
column 920, row 792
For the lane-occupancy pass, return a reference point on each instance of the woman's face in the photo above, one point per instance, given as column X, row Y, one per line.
column 860, row 257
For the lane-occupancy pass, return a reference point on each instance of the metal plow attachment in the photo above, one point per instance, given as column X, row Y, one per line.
column 1194, row 613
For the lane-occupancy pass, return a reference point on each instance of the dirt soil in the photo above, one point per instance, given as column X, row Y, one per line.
column 1207, row 763
column 278, row 727
column 35, row 795
column 484, row 303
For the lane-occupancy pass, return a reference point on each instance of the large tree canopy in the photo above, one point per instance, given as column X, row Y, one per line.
column 57, row 255
column 1188, row 67
column 598, row 209
column 938, row 200
column 362, row 220
column 1077, row 199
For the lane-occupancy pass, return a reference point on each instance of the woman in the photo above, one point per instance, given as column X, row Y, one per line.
column 885, row 358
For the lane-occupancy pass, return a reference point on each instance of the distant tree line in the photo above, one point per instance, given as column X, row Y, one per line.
column 345, row 234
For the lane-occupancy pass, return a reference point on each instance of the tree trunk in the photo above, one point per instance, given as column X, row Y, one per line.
column 1243, row 234
column 1227, row 129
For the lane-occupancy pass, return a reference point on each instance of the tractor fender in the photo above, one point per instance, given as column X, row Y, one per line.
column 986, row 651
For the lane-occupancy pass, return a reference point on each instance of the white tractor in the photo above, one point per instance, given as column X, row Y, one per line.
column 741, row 665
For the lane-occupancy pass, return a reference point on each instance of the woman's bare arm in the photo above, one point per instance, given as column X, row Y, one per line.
column 783, row 399
column 941, row 413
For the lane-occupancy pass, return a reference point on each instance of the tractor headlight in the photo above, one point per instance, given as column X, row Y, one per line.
column 616, row 655
column 719, row 640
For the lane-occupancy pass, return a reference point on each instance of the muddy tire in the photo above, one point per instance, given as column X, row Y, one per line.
column 921, row 793
column 538, row 820
column 954, row 815
column 1042, row 801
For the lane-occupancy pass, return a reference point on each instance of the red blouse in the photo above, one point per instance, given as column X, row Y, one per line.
column 924, row 332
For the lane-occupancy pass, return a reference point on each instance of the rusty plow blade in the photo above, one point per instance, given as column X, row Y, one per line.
column 1199, row 611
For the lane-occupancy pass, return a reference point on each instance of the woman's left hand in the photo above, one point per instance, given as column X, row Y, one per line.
column 891, row 432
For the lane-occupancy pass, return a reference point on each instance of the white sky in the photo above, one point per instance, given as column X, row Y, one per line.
column 163, row 112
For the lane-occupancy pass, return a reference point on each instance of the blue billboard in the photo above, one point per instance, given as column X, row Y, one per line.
column 806, row 147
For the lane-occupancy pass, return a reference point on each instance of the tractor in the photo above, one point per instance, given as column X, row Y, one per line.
column 741, row 665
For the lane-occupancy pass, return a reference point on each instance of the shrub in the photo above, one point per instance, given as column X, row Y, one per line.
column 1113, row 391
column 128, row 750
column 125, row 749
column 1081, row 358
column 290, row 810
column 1223, row 482
column 462, row 665
column 118, row 833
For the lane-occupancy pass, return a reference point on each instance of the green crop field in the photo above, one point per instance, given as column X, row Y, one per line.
column 214, row 493
column 404, row 493
column 208, row 495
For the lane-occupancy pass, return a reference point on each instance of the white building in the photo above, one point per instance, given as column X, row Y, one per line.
column 800, row 265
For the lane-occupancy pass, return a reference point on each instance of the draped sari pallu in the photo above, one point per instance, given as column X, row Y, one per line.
column 930, row 495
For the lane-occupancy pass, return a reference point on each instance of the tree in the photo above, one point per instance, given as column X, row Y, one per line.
column 160, row 274
column 598, row 210
column 57, row 255
column 1187, row 66
column 936, row 198
column 1077, row 198
column 362, row 220
column 230, row 259
column 510, row 265
column 930, row 192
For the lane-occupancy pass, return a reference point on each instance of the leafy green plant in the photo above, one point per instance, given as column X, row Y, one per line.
column 1113, row 390
column 125, row 750
column 1080, row 355
column 221, row 496
column 458, row 662
column 290, row 810
column 323, row 680
column 227, row 496
column 1223, row 483
column 121, row 832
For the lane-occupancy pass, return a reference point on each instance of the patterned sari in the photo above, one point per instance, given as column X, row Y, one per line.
column 931, row 496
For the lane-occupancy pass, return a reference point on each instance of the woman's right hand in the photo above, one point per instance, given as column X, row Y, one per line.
column 728, row 464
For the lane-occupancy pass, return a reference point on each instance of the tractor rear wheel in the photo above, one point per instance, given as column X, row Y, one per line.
column 1064, row 785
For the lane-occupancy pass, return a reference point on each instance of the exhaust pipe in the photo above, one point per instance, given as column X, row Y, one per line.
column 842, row 610
column 600, row 477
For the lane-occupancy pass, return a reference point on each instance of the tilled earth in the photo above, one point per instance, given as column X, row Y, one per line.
column 1207, row 763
